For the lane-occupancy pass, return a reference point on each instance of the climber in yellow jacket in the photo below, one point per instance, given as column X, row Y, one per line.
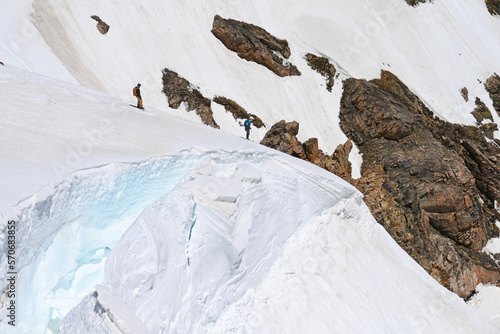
column 137, row 94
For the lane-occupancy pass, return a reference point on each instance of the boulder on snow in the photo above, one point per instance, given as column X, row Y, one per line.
column 237, row 111
column 465, row 94
column 178, row 90
column 322, row 65
column 102, row 26
column 415, row 2
column 255, row 44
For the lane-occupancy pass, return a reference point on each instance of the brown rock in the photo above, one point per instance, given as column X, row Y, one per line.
column 322, row 65
column 493, row 6
column 485, row 170
column 179, row 90
column 281, row 137
column 338, row 163
column 255, row 44
column 481, row 112
column 1, row 63
column 426, row 181
column 102, row 26
column 237, row 111
column 311, row 149
column 415, row 2
column 465, row 94
column 492, row 85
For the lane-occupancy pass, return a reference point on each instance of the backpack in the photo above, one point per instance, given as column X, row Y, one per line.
column 134, row 91
column 247, row 124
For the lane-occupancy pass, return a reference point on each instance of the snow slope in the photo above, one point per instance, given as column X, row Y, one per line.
column 150, row 228
column 436, row 49
column 131, row 220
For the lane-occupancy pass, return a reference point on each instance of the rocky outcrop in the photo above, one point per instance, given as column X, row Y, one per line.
column 237, row 111
column 255, row 44
column 415, row 2
column 493, row 6
column 322, row 65
column 102, row 26
column 283, row 137
column 179, row 90
column 465, row 94
column 425, row 180
column 481, row 112
column 338, row 163
column 493, row 87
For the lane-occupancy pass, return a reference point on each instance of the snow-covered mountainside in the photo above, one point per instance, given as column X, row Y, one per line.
column 131, row 221
column 192, row 234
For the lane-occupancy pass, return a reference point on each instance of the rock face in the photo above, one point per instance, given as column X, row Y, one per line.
column 465, row 94
column 237, row 111
column 283, row 137
column 179, row 90
column 415, row 2
column 493, row 87
column 102, row 26
column 481, row 112
column 322, row 65
column 255, row 44
column 493, row 6
column 425, row 180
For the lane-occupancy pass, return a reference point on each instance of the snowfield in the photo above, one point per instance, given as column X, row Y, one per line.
column 134, row 221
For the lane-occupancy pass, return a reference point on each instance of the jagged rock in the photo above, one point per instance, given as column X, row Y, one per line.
column 415, row 2
column 255, row 44
column 322, row 65
column 311, row 149
column 481, row 112
column 179, row 90
column 423, row 181
column 237, row 111
column 493, row 87
column 282, row 137
column 338, row 163
column 465, row 94
column 489, row 129
column 493, row 6
column 486, row 170
column 102, row 26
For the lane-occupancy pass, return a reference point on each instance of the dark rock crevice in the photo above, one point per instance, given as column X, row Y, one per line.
column 255, row 44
